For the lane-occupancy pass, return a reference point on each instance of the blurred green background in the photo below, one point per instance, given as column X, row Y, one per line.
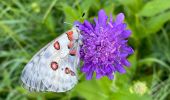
column 28, row 25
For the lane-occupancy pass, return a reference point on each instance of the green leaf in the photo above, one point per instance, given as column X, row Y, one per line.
column 90, row 90
column 154, row 24
column 71, row 14
column 86, row 4
column 105, row 84
column 154, row 7
column 109, row 9
column 132, row 5
column 50, row 24
column 133, row 60
column 6, row 79
column 124, row 95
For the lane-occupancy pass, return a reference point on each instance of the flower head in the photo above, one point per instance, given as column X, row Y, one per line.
column 104, row 48
column 139, row 88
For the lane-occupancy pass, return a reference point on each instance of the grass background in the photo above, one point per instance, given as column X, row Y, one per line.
column 28, row 25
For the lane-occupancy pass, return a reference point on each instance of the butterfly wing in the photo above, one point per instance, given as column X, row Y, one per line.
column 53, row 68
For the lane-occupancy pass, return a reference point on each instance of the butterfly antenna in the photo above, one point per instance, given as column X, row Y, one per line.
column 79, row 18
column 68, row 23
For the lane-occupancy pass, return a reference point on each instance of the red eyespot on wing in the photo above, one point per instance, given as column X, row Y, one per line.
column 57, row 45
column 70, row 45
column 72, row 52
column 70, row 35
column 67, row 70
column 54, row 65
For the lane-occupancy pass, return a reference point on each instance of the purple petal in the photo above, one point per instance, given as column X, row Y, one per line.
column 129, row 50
column 102, row 18
column 126, row 34
column 98, row 75
column 111, row 18
column 119, row 18
column 88, row 25
column 120, row 68
column 110, row 76
column 89, row 75
column 77, row 23
column 97, row 26
column 123, row 55
column 85, row 68
column 121, row 27
column 126, row 62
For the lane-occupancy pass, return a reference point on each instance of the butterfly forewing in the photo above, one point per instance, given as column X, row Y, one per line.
column 53, row 68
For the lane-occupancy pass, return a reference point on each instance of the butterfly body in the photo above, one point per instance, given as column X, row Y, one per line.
column 54, row 67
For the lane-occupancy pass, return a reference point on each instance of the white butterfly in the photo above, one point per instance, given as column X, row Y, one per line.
column 54, row 67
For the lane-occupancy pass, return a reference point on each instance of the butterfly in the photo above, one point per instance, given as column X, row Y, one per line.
column 54, row 67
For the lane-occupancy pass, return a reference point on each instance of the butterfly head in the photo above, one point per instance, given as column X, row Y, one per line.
column 76, row 32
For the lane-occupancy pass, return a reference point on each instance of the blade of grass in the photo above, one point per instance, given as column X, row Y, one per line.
column 155, row 60
column 11, row 35
column 49, row 10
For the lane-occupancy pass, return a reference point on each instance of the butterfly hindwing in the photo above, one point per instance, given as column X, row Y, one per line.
column 53, row 68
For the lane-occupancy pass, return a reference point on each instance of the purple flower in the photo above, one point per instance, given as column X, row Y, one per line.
column 104, row 48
